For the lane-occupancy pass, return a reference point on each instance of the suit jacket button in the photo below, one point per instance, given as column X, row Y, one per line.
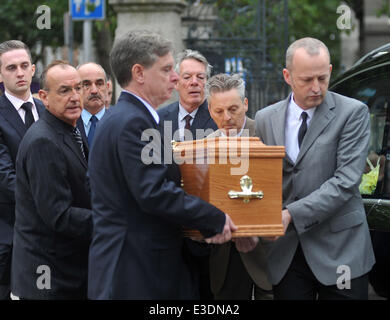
column 295, row 170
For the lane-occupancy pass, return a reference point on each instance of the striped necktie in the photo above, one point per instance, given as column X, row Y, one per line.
column 77, row 135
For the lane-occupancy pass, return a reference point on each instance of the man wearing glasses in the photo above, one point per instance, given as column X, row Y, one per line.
column 53, row 217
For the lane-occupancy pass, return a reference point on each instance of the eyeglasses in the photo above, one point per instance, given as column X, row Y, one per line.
column 67, row 90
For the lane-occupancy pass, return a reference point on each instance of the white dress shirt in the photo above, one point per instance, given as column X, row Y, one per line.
column 182, row 122
column 17, row 103
column 148, row 106
column 293, row 123
column 86, row 117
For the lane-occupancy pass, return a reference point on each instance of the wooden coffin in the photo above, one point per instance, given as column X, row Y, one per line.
column 241, row 176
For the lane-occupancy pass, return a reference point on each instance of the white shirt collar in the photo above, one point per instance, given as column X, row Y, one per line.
column 148, row 106
column 183, row 112
column 86, row 115
column 296, row 111
column 16, row 102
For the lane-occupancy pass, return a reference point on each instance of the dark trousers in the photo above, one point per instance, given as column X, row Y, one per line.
column 5, row 271
column 299, row 283
column 197, row 256
column 239, row 284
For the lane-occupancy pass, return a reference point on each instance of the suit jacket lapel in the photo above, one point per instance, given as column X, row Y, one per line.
column 279, row 124
column 12, row 116
column 201, row 117
column 133, row 100
column 40, row 106
column 322, row 116
column 172, row 116
column 63, row 129
column 250, row 126
column 69, row 141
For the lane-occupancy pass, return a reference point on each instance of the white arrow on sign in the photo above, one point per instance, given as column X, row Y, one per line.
column 78, row 4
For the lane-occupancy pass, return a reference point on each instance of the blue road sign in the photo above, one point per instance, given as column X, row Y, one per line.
column 87, row 9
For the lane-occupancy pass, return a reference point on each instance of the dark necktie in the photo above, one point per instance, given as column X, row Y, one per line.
column 188, row 119
column 91, row 132
column 77, row 135
column 302, row 129
column 28, row 117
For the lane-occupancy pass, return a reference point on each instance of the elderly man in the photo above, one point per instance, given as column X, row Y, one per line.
column 18, row 111
column 139, row 207
column 233, row 274
column 326, row 252
column 189, row 119
column 190, row 112
column 95, row 87
column 53, row 220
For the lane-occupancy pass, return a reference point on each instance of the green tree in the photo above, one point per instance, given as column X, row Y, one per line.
column 306, row 18
column 19, row 21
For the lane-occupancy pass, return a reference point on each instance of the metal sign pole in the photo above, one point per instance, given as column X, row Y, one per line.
column 87, row 40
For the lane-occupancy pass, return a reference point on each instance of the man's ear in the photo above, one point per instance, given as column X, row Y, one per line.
column 137, row 73
column 33, row 69
column 43, row 97
column 287, row 76
column 246, row 104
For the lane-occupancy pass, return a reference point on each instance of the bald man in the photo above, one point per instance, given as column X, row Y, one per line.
column 94, row 82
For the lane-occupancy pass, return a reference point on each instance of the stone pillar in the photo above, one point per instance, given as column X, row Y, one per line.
column 162, row 16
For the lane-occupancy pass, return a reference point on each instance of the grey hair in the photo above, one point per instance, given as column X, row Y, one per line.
column 192, row 54
column 224, row 82
column 311, row 45
column 96, row 64
column 13, row 45
column 136, row 47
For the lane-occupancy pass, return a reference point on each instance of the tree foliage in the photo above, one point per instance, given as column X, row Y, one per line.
column 19, row 21
column 306, row 18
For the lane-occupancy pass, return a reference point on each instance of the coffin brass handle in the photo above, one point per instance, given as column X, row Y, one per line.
column 174, row 144
column 246, row 193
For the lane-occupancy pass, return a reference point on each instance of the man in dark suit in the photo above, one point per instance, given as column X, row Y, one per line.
column 189, row 119
column 139, row 207
column 191, row 111
column 237, row 270
column 326, row 252
column 18, row 110
column 53, row 217
column 94, row 82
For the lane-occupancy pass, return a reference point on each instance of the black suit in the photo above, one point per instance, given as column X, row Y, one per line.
column 53, row 220
column 198, row 253
column 12, row 130
column 139, row 211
